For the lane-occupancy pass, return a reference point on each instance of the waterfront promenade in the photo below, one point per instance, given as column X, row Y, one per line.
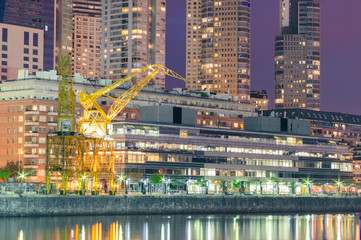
column 55, row 205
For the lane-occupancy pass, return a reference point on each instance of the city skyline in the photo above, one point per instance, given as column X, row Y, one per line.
column 339, row 50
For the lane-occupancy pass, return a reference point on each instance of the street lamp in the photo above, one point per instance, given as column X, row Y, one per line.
column 20, row 154
column 22, row 175
column 339, row 183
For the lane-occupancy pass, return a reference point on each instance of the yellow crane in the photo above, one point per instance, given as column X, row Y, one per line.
column 94, row 121
column 88, row 154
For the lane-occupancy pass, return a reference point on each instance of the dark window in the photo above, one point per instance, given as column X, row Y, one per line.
column 4, row 63
column 35, row 39
column 4, row 47
column 26, row 38
column 35, row 66
column 4, row 78
column 35, row 60
column 5, row 35
column 4, row 70
column 26, row 65
column 35, row 52
column 26, row 50
column 4, row 55
column 26, row 58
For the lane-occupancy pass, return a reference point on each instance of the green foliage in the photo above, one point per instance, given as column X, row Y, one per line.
column 13, row 168
column 5, row 174
column 306, row 181
column 156, row 179
column 237, row 183
column 292, row 185
column 176, row 182
column 201, row 182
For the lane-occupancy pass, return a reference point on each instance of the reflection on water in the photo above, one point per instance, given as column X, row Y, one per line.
column 328, row 226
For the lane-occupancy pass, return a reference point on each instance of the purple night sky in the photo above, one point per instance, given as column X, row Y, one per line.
column 341, row 50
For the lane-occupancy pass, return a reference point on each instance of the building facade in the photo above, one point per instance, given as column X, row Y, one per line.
column 298, row 55
column 24, row 127
column 345, row 127
column 219, row 46
column 39, row 15
column 64, row 29
column 133, row 36
column 87, row 37
column 259, row 99
column 21, row 48
column 190, row 152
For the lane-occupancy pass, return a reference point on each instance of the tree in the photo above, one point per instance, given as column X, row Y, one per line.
column 237, row 184
column 292, row 185
column 156, row 179
column 4, row 174
column 13, row 168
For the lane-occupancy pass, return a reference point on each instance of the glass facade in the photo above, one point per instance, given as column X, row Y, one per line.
column 192, row 152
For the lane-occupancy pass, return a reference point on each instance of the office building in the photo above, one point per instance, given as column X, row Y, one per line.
column 298, row 55
column 87, row 37
column 64, row 29
column 21, row 48
column 133, row 36
column 33, row 15
column 189, row 152
column 343, row 126
column 219, row 46
column 259, row 100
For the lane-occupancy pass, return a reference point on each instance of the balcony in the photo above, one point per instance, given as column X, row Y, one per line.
column 31, row 122
column 31, row 111
column 30, row 155
column 31, row 144
column 31, row 133
column 53, row 122
column 52, row 113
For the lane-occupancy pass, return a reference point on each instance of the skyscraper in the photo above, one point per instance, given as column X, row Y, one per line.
column 87, row 37
column 133, row 36
column 32, row 14
column 219, row 46
column 298, row 55
column 64, row 28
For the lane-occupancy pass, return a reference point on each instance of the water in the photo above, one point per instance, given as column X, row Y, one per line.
column 165, row 227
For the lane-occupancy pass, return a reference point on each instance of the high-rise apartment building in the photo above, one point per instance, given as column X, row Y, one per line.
column 133, row 36
column 298, row 55
column 37, row 15
column 87, row 37
column 219, row 46
column 21, row 48
column 64, row 28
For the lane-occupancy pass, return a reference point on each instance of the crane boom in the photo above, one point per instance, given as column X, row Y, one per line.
column 95, row 120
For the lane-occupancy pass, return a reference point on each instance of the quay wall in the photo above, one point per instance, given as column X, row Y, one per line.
column 122, row 205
